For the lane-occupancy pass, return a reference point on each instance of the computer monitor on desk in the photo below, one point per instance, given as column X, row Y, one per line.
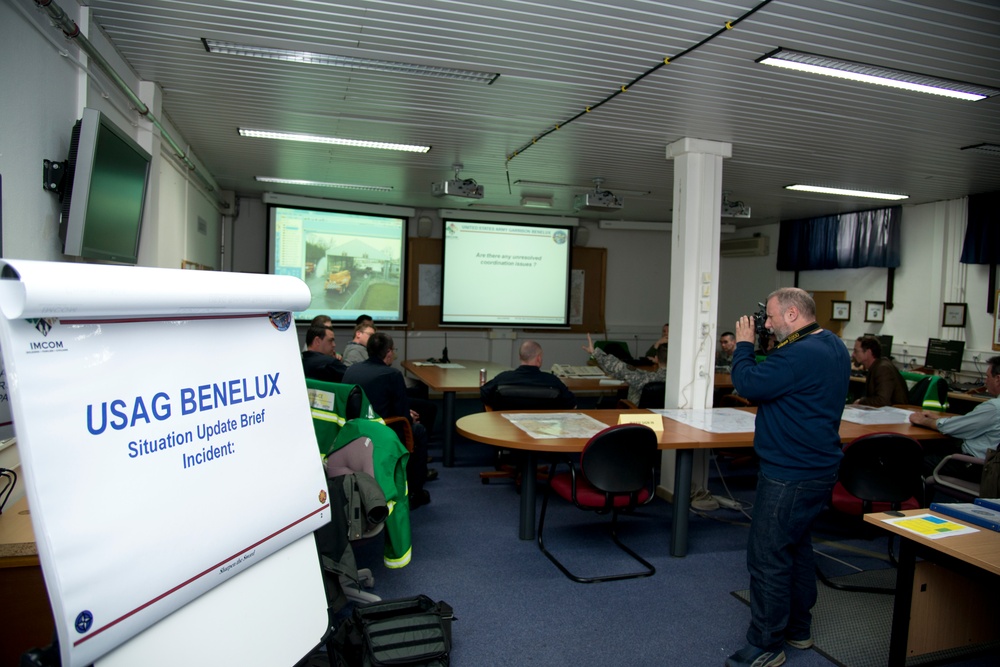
column 945, row 355
column 884, row 342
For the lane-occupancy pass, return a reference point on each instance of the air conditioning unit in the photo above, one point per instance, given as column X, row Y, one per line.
column 752, row 246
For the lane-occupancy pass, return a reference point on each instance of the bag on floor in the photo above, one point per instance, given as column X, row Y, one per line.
column 411, row 631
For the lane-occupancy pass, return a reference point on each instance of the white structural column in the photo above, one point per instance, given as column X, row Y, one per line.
column 694, row 284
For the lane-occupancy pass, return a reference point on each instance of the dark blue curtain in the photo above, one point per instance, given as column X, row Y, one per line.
column 982, row 235
column 845, row 241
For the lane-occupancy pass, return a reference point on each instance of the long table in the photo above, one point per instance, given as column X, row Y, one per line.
column 976, row 555
column 25, row 617
column 494, row 429
column 465, row 379
column 450, row 381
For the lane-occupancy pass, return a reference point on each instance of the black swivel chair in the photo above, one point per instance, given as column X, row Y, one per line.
column 879, row 472
column 653, row 395
column 518, row 397
column 400, row 425
column 615, row 475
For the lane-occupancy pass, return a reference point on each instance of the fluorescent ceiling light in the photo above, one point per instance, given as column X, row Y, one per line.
column 883, row 76
column 545, row 184
column 320, row 139
column 322, row 184
column 845, row 192
column 991, row 149
column 350, row 62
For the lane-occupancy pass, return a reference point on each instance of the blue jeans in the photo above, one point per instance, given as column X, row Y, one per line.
column 780, row 559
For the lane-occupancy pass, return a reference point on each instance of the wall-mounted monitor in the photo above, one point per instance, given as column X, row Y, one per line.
column 506, row 275
column 104, row 194
column 945, row 355
column 353, row 263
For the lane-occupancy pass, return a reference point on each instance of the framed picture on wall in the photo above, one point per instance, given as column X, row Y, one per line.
column 874, row 311
column 954, row 315
column 841, row 310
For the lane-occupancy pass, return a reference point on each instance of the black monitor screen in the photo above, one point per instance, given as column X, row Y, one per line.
column 945, row 355
column 884, row 342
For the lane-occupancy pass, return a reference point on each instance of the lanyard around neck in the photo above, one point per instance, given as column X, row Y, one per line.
column 798, row 335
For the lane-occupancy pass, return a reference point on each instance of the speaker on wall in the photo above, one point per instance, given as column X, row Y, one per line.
column 424, row 226
column 580, row 236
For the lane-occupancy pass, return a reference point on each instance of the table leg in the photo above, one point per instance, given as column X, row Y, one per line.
column 901, row 606
column 682, row 502
column 527, row 521
column 448, row 429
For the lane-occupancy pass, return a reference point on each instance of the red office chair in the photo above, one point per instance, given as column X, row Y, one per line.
column 616, row 475
column 879, row 472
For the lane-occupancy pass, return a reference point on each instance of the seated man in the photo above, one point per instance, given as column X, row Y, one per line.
column 885, row 386
column 663, row 340
column 318, row 361
column 386, row 392
column 325, row 321
column 356, row 349
column 528, row 373
column 635, row 378
column 727, row 344
column 979, row 430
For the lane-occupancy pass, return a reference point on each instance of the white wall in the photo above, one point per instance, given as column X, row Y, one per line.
column 43, row 95
column 37, row 110
column 929, row 275
column 638, row 288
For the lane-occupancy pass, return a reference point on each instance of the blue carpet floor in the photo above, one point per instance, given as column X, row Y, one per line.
column 513, row 607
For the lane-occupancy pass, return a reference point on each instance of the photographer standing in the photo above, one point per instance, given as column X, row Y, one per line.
column 800, row 392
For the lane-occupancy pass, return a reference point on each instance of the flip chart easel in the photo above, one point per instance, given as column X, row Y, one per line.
column 170, row 461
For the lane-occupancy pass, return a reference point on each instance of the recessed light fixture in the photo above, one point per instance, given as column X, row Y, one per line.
column 883, row 76
column 991, row 149
column 350, row 62
column 536, row 202
column 322, row 184
column 652, row 226
column 321, row 139
column 546, row 184
column 845, row 192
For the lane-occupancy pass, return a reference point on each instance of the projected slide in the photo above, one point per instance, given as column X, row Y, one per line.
column 503, row 274
column 352, row 262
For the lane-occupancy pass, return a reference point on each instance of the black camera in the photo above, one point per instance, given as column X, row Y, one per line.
column 759, row 318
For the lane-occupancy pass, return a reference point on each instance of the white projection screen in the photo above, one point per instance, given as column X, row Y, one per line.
column 501, row 274
column 353, row 263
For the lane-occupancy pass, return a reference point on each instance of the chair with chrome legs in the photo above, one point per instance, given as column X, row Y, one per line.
column 615, row 475
column 879, row 472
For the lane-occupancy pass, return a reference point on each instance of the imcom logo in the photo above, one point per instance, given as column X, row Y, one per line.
column 44, row 326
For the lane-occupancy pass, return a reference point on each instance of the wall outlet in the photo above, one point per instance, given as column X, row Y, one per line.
column 977, row 358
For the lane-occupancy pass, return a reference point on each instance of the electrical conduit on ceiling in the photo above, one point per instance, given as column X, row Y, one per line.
column 72, row 31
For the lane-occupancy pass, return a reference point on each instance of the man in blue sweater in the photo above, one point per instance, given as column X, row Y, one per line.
column 800, row 391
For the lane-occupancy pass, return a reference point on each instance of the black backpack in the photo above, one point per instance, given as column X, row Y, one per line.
column 411, row 631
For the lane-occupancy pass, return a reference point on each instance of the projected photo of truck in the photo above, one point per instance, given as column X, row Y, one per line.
column 351, row 262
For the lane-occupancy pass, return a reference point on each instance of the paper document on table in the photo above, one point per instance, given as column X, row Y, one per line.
column 862, row 414
column 444, row 365
column 930, row 526
column 713, row 420
column 556, row 424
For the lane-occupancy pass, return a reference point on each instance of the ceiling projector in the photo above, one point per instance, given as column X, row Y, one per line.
column 600, row 200
column 458, row 187
column 733, row 209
